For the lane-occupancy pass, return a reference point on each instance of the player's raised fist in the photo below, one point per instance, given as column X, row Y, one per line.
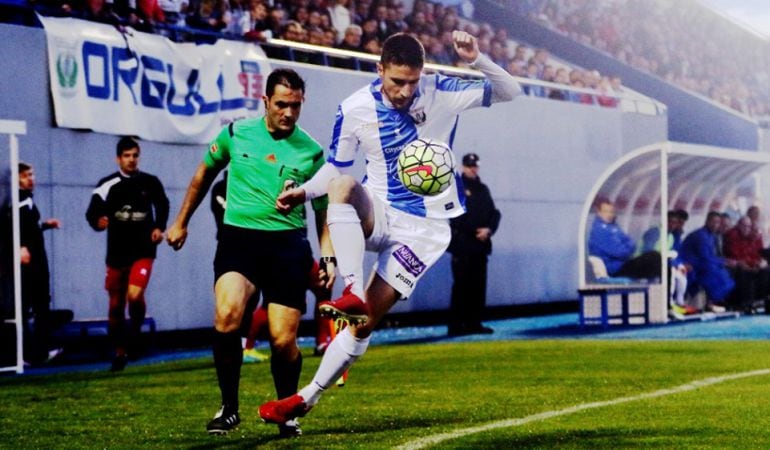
column 466, row 46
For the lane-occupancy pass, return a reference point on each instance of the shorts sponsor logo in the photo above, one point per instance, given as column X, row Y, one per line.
column 448, row 206
column 405, row 280
column 409, row 260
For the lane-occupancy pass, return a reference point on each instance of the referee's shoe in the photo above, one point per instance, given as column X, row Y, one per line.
column 223, row 422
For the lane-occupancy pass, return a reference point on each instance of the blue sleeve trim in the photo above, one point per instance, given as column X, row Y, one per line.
column 454, row 84
column 487, row 101
column 339, row 163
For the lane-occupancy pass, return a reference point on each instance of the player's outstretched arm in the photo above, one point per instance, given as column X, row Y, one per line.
column 199, row 185
column 290, row 198
column 504, row 87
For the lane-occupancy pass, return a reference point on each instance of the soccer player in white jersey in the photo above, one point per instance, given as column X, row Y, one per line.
column 407, row 231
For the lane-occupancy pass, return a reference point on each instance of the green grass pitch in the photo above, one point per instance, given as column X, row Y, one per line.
column 400, row 393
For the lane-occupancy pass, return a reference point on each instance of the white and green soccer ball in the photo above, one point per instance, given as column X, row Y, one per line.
column 426, row 166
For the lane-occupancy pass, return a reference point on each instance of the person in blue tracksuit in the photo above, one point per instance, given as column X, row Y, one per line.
column 616, row 248
column 709, row 268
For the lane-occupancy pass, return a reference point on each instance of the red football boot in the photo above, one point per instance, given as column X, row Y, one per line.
column 349, row 307
column 284, row 410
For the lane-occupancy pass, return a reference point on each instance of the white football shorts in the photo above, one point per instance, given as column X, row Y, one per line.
column 407, row 245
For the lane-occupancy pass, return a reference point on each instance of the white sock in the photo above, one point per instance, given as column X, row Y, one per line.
column 349, row 244
column 680, row 284
column 343, row 351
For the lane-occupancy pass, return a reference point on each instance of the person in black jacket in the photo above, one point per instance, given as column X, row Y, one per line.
column 470, row 247
column 132, row 206
column 39, row 320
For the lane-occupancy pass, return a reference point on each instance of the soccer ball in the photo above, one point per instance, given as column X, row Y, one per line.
column 426, row 166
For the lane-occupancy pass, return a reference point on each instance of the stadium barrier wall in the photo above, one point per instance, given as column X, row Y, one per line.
column 692, row 118
column 539, row 157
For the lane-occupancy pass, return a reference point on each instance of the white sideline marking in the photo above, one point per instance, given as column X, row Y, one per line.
column 436, row 438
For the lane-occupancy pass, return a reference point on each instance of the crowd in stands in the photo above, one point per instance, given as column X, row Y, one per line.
column 355, row 25
column 683, row 42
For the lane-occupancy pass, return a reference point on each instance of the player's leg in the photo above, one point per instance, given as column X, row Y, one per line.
column 349, row 345
column 286, row 359
column 324, row 326
column 256, row 327
column 138, row 279
column 232, row 290
column 115, row 283
column 351, row 219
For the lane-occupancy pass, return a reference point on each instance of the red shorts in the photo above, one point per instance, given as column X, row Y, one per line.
column 137, row 274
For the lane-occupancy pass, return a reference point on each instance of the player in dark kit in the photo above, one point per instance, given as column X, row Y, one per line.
column 132, row 206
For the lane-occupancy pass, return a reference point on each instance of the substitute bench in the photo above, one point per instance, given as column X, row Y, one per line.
column 621, row 304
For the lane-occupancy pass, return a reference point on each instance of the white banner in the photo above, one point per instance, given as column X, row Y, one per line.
column 144, row 85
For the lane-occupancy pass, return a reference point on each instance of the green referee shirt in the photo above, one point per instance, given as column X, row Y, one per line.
column 259, row 166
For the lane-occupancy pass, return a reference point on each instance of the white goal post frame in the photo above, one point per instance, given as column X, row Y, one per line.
column 14, row 128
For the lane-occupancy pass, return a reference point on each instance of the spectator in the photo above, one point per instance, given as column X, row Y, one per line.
column 352, row 39
column 174, row 11
column 616, row 249
column 373, row 46
column 709, row 269
column 150, row 13
column 132, row 206
column 294, row 31
column 237, row 17
column 744, row 246
column 470, row 247
column 341, row 18
column 208, row 15
column 260, row 27
column 39, row 321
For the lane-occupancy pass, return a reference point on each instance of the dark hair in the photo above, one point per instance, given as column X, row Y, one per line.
column 125, row 143
column 403, row 49
column 23, row 167
column 713, row 214
column 678, row 214
column 284, row 77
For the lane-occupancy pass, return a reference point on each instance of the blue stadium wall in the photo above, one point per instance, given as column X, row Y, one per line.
column 539, row 157
column 691, row 118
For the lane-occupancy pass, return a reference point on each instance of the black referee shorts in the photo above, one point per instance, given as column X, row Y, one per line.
column 278, row 263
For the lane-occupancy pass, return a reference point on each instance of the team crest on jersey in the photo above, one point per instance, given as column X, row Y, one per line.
column 406, row 257
column 271, row 158
column 418, row 115
column 213, row 148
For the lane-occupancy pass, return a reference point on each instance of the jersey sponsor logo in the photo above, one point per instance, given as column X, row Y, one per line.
column 127, row 214
column 406, row 257
column 401, row 277
column 271, row 158
column 391, row 150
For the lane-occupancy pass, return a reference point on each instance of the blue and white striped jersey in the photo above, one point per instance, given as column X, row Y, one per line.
column 366, row 121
